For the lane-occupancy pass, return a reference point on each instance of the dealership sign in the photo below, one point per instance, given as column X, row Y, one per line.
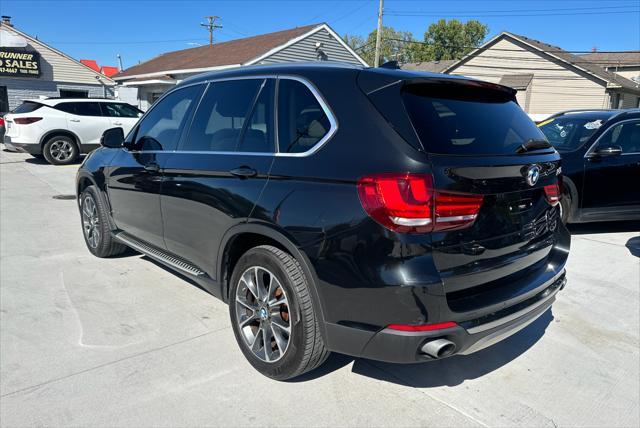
column 17, row 62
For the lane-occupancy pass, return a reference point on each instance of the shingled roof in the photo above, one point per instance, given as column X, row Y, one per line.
column 516, row 81
column 614, row 59
column 430, row 66
column 233, row 52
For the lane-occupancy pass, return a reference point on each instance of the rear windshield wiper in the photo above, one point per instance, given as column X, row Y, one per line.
column 533, row 144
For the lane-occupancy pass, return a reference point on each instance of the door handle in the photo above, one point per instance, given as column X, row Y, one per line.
column 244, row 172
column 117, row 123
column 74, row 120
column 152, row 167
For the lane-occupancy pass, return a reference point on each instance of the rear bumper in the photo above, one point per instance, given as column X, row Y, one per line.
column 16, row 146
column 469, row 336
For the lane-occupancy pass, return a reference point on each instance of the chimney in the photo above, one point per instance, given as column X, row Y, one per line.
column 6, row 20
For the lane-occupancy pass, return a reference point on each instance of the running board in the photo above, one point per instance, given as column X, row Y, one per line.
column 160, row 255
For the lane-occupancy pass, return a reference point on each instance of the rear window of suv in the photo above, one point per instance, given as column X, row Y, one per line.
column 27, row 107
column 467, row 120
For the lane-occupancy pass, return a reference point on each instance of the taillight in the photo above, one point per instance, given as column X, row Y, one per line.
column 408, row 203
column 552, row 192
column 25, row 120
column 422, row 327
column 1, row 121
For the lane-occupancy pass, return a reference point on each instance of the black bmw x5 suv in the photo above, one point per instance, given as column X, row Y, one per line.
column 379, row 213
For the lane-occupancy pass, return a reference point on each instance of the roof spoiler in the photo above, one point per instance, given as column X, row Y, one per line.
column 372, row 82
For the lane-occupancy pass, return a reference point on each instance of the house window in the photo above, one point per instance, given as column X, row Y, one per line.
column 73, row 93
column 4, row 100
column 154, row 96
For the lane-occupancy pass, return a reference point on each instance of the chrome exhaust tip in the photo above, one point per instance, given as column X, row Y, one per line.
column 439, row 348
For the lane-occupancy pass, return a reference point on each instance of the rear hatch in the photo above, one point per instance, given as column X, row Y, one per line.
column 480, row 142
column 12, row 128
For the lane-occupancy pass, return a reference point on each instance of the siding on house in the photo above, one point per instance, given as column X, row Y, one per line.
column 305, row 50
column 554, row 87
column 629, row 100
column 56, row 66
column 20, row 89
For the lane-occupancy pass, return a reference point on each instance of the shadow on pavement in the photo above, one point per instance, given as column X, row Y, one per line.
column 633, row 245
column 446, row 372
column 43, row 161
column 604, row 227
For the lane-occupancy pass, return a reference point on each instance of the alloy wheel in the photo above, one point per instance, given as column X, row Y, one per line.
column 262, row 314
column 90, row 221
column 61, row 150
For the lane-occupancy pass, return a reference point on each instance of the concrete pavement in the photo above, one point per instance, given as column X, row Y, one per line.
column 124, row 342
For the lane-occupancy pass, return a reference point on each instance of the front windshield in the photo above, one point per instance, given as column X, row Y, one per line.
column 567, row 133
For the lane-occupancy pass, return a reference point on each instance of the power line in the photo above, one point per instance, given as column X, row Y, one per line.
column 514, row 10
column 479, row 15
column 502, row 49
column 128, row 42
column 612, row 63
column 356, row 9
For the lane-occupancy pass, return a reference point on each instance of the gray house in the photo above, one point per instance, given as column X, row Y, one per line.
column 152, row 78
column 30, row 68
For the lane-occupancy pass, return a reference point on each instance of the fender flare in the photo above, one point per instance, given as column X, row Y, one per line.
column 271, row 232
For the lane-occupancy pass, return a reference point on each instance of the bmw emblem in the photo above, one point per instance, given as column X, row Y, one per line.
column 532, row 175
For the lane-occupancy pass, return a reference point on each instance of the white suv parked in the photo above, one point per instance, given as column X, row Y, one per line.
column 60, row 129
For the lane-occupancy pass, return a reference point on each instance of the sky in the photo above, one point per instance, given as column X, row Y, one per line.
column 141, row 29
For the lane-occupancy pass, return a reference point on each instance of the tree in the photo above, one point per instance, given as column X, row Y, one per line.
column 393, row 46
column 450, row 40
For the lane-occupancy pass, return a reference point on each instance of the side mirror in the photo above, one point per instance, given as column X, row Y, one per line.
column 608, row 151
column 112, row 138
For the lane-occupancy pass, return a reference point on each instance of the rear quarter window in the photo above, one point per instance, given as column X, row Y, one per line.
column 27, row 107
column 80, row 108
column 465, row 120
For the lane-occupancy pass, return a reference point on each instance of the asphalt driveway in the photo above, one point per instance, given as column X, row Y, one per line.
column 124, row 342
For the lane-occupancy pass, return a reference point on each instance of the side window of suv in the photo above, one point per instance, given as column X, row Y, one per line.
column 234, row 115
column 162, row 127
column 625, row 135
column 119, row 110
column 81, row 109
column 302, row 122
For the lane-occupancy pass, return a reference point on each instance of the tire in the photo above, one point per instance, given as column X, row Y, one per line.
column 60, row 150
column 565, row 208
column 304, row 349
column 95, row 225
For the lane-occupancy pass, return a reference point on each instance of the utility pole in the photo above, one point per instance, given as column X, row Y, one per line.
column 119, row 62
column 211, row 26
column 379, row 34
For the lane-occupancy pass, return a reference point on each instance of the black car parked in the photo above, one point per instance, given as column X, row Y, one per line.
column 384, row 214
column 600, row 152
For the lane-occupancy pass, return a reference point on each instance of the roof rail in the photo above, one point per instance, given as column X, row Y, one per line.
column 584, row 110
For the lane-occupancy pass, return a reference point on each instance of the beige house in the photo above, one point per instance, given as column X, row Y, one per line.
column 547, row 78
